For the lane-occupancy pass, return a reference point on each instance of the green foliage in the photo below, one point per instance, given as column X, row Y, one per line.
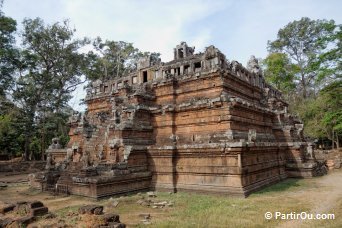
column 51, row 64
column 8, row 53
column 11, row 139
column 305, row 42
column 279, row 72
column 50, row 69
column 113, row 59
column 35, row 148
column 333, row 112
column 331, row 68
column 305, row 63
column 323, row 115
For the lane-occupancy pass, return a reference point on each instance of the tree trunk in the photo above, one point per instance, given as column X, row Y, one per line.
column 106, row 72
column 27, row 147
column 304, row 87
column 118, row 66
column 42, row 146
column 333, row 139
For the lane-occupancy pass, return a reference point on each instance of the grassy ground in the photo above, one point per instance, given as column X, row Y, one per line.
column 317, row 195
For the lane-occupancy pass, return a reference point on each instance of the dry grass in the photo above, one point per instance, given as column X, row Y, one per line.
column 198, row 210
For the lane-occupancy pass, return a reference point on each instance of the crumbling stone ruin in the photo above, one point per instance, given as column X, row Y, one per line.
column 197, row 123
column 26, row 213
column 103, row 220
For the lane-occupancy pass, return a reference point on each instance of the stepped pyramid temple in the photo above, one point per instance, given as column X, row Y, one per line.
column 196, row 123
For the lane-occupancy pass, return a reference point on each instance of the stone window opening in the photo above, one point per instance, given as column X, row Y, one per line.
column 167, row 72
column 117, row 118
column 144, row 76
column 198, row 66
column 177, row 71
column 186, row 69
column 180, row 53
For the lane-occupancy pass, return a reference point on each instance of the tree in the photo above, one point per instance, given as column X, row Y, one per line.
column 11, row 139
column 279, row 72
column 309, row 52
column 331, row 68
column 323, row 114
column 50, row 69
column 8, row 52
column 305, row 41
column 11, row 133
column 332, row 119
column 113, row 59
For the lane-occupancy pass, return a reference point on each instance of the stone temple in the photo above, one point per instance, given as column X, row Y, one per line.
column 196, row 123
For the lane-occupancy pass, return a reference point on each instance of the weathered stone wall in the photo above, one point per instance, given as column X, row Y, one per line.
column 23, row 166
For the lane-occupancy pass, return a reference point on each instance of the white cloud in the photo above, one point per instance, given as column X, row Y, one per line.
column 151, row 25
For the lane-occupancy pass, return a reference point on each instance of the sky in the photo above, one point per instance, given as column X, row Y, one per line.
column 239, row 28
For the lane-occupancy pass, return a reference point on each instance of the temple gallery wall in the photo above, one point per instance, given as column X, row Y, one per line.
column 196, row 123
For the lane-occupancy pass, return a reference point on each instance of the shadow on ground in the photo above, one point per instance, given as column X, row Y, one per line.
column 280, row 187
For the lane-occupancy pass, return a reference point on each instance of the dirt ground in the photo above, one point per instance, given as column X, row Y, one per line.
column 326, row 200
column 317, row 195
column 13, row 177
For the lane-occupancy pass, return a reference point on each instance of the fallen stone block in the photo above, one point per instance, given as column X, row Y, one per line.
column 25, row 220
column 49, row 215
column 36, row 204
column 98, row 211
column 144, row 202
column 111, row 218
column 7, row 208
column 91, row 209
column 116, row 225
column 163, row 203
column 5, row 222
column 151, row 194
column 39, row 211
column 115, row 203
